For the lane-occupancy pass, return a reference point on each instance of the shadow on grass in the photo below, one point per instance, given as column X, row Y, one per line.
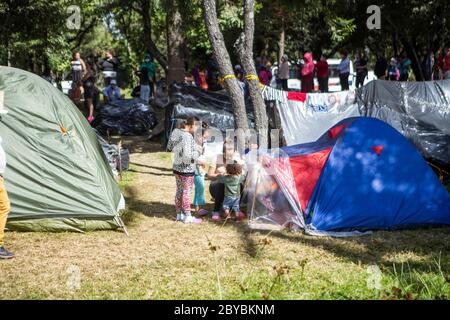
column 152, row 167
column 379, row 249
column 151, row 173
column 429, row 245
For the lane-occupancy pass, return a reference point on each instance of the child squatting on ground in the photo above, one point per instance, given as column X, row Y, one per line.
column 186, row 157
column 232, row 181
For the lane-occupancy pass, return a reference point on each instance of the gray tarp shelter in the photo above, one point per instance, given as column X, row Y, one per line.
column 57, row 176
column 418, row 110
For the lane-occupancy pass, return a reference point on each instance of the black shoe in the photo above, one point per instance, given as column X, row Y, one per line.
column 5, row 254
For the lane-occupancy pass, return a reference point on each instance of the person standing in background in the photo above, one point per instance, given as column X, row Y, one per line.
column 344, row 71
column 404, row 66
column 78, row 67
column 109, row 66
column 308, row 73
column 5, row 206
column 381, row 67
column 150, row 66
column 90, row 91
column 283, row 73
column 447, row 65
column 322, row 74
column 393, row 71
column 361, row 70
column 264, row 76
column 144, row 82
column 438, row 66
column 78, row 70
column 427, row 65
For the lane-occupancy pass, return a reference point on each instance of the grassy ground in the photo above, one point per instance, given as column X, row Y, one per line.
column 162, row 259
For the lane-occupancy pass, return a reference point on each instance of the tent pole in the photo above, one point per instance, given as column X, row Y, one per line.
column 254, row 195
column 122, row 225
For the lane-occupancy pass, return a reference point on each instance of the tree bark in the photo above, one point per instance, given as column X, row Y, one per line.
column 175, row 43
column 223, row 60
column 147, row 34
column 416, row 63
column 282, row 40
column 244, row 47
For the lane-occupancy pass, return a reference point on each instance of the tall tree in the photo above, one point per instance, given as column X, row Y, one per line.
column 244, row 47
column 175, row 41
column 223, row 60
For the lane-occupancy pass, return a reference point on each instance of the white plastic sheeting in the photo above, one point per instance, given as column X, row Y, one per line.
column 305, row 122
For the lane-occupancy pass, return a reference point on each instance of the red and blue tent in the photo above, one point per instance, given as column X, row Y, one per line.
column 361, row 175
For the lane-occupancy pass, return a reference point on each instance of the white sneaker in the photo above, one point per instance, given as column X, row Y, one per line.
column 181, row 217
column 192, row 220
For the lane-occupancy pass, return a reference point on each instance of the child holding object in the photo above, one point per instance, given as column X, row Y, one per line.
column 186, row 155
column 199, row 179
column 232, row 181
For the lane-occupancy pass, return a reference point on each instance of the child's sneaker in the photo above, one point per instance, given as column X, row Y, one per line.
column 240, row 216
column 227, row 214
column 192, row 220
column 90, row 119
column 181, row 217
column 216, row 216
column 203, row 212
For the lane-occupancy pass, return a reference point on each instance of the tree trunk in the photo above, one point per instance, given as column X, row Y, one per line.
column 222, row 57
column 150, row 46
column 282, row 40
column 416, row 64
column 175, row 43
column 394, row 44
column 244, row 47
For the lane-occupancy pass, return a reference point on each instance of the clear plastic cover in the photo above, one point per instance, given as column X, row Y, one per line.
column 272, row 200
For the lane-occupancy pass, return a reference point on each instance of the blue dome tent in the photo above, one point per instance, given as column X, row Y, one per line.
column 361, row 175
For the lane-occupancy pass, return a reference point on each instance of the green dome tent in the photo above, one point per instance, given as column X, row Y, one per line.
column 57, row 177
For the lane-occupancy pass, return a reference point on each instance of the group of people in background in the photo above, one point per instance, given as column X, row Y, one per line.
column 85, row 75
column 434, row 67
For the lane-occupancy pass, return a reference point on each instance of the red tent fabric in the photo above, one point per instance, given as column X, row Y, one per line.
column 306, row 170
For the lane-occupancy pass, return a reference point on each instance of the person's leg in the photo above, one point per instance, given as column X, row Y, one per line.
column 90, row 105
column 322, row 85
column 217, row 191
column 284, row 84
column 359, row 81
column 188, row 183
column 341, row 81
column 199, row 193
column 4, row 211
column 344, row 82
column 179, row 197
column 145, row 93
column 227, row 206
column 152, row 89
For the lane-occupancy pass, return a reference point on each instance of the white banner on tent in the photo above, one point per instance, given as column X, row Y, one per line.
column 305, row 122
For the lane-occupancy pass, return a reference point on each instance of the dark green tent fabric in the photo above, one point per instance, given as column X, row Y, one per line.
column 57, row 175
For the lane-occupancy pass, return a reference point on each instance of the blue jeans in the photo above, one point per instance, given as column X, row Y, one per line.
column 199, row 196
column 145, row 93
column 231, row 204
